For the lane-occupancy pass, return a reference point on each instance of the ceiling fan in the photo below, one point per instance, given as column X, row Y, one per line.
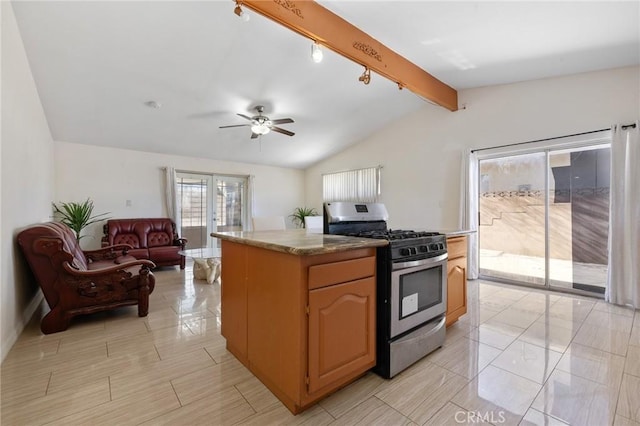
column 261, row 124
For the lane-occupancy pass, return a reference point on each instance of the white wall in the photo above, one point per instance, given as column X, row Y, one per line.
column 110, row 176
column 421, row 154
column 27, row 179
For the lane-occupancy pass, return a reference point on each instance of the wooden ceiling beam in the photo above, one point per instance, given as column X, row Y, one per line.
column 310, row 19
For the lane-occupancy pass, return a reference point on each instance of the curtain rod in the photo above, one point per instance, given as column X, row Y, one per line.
column 624, row 127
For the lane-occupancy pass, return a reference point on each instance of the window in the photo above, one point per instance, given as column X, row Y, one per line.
column 352, row 185
column 193, row 199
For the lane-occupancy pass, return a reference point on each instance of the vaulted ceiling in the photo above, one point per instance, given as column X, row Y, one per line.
column 96, row 64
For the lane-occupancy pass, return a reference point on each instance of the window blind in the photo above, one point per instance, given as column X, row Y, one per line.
column 352, row 185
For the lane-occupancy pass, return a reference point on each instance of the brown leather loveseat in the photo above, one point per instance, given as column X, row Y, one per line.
column 154, row 239
column 76, row 282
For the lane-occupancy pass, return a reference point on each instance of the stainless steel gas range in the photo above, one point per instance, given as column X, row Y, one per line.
column 411, row 283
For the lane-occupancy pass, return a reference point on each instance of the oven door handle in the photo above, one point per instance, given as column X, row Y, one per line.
column 421, row 262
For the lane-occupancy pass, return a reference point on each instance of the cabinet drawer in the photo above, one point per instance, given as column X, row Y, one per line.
column 340, row 272
column 457, row 247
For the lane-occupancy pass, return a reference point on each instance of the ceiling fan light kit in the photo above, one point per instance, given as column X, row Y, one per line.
column 261, row 124
column 260, row 129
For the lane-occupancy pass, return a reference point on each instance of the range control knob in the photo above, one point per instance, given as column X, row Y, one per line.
column 423, row 249
column 433, row 247
column 404, row 252
column 412, row 250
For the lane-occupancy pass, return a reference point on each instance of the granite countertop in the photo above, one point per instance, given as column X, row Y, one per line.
column 299, row 241
column 456, row 232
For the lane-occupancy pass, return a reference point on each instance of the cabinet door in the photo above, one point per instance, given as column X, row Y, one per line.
column 456, row 289
column 342, row 334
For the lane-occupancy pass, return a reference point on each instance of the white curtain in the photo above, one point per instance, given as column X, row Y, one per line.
column 172, row 203
column 248, row 211
column 623, row 281
column 469, row 209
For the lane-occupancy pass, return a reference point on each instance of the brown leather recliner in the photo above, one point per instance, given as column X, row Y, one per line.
column 76, row 282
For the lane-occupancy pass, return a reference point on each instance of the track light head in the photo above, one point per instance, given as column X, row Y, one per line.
column 316, row 53
column 366, row 76
column 241, row 13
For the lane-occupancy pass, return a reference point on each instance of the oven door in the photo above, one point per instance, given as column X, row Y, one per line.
column 418, row 293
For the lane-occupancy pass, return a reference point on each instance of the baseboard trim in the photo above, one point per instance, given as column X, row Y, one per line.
column 31, row 308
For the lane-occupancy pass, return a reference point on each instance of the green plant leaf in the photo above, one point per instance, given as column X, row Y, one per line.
column 77, row 216
column 299, row 213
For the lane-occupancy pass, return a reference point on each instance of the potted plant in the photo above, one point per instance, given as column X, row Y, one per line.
column 300, row 213
column 77, row 216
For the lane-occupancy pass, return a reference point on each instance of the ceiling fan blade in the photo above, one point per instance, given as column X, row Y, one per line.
column 235, row 125
column 245, row 116
column 282, row 121
column 254, row 135
column 283, row 131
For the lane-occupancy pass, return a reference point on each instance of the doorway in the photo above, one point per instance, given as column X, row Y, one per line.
column 210, row 203
column 544, row 218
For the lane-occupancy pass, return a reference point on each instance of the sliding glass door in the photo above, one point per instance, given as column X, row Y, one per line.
column 512, row 218
column 544, row 217
column 579, row 218
column 210, row 203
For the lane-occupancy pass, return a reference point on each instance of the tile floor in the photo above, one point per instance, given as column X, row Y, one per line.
column 518, row 356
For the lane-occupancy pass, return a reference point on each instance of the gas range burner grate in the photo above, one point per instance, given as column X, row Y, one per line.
column 400, row 234
column 381, row 235
column 393, row 234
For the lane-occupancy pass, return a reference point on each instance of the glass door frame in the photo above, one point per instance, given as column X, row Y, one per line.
column 597, row 141
column 211, row 201
column 212, row 180
column 244, row 181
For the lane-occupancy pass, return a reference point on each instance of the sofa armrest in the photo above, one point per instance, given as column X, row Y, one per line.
column 108, row 252
column 110, row 270
column 182, row 242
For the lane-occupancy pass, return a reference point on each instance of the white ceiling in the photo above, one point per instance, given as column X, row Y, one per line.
column 96, row 63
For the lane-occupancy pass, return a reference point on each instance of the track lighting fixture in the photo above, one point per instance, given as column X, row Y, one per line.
column 241, row 13
column 316, row 23
column 316, row 53
column 366, row 76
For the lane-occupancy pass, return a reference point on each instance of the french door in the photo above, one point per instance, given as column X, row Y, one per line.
column 544, row 218
column 210, row 203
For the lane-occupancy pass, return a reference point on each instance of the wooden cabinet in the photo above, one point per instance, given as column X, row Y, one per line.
column 304, row 325
column 341, row 331
column 456, row 278
column 234, row 323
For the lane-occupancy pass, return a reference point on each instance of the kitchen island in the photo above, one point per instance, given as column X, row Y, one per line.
column 298, row 309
